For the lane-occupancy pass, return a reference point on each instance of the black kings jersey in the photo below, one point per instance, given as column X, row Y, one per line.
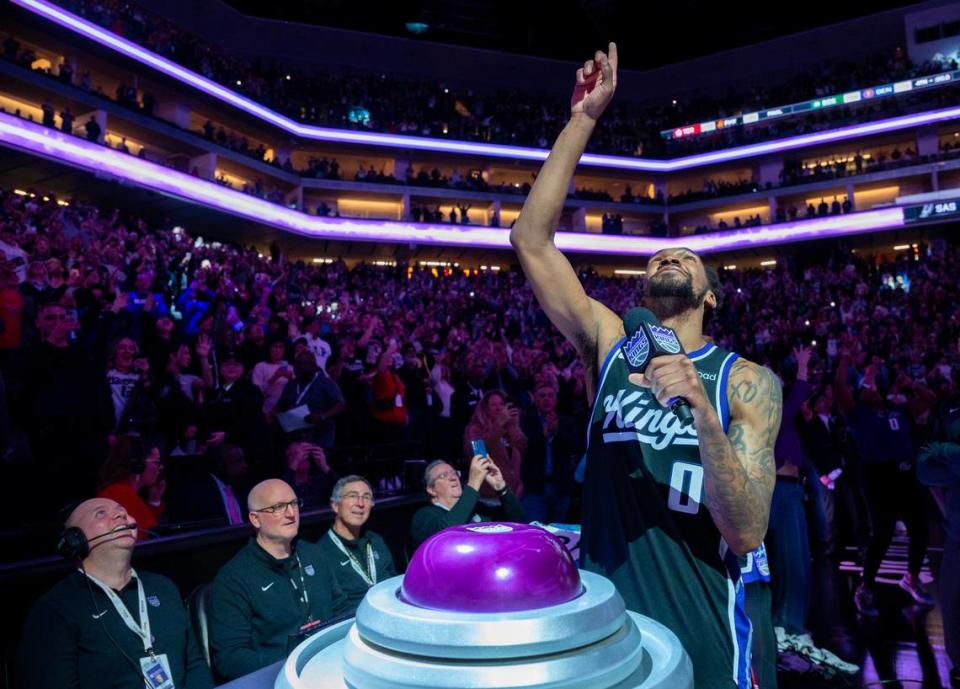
column 645, row 526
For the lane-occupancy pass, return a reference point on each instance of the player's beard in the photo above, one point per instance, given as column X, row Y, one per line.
column 670, row 297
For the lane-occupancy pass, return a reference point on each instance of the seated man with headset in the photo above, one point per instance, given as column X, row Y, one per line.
column 106, row 625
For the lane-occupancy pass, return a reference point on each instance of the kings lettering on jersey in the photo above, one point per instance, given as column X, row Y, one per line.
column 634, row 415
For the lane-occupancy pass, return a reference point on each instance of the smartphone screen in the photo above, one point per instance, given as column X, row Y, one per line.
column 478, row 447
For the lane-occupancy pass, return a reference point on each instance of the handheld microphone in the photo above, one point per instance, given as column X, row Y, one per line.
column 647, row 339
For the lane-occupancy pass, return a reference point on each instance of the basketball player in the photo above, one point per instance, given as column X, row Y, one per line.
column 667, row 508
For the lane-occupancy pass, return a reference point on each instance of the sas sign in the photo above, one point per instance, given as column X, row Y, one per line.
column 932, row 211
column 948, row 207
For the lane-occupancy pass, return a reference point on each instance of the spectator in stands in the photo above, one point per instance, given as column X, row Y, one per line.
column 468, row 391
column 442, row 442
column 81, row 633
column 235, row 409
column 143, row 299
column 554, row 446
column 496, row 421
column 36, row 291
column 389, row 397
column 93, row 130
column 271, row 589
column 174, row 395
column 346, row 370
column 127, row 378
column 61, row 401
column 885, row 448
column 66, row 121
column 254, row 348
column 16, row 258
column 134, row 466
column 502, row 374
column 272, row 376
column 452, row 504
column 416, row 379
column 368, row 559
column 315, row 342
column 215, row 492
column 11, row 313
column 309, row 474
column 315, row 398
column 158, row 341
column 180, row 363
column 48, row 115
column 823, row 436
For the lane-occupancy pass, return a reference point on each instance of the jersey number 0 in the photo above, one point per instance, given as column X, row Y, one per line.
column 686, row 486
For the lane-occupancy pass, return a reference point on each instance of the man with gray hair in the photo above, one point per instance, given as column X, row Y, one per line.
column 274, row 588
column 358, row 557
column 452, row 504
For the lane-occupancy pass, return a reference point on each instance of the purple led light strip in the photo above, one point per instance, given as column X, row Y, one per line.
column 132, row 50
column 64, row 148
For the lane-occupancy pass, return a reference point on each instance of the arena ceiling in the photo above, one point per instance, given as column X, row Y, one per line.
column 570, row 29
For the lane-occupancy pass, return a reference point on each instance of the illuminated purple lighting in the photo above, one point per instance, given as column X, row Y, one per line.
column 132, row 50
column 64, row 148
column 801, row 230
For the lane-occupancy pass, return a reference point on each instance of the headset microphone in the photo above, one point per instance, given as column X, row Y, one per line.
column 73, row 544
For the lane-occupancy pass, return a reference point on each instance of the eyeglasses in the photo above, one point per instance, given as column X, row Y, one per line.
column 446, row 475
column 282, row 506
column 354, row 495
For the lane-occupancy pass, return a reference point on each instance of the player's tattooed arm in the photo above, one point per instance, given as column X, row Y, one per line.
column 739, row 466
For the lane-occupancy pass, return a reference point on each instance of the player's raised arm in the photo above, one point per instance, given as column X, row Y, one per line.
column 590, row 326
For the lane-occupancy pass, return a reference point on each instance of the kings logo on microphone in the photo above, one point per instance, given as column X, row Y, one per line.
column 637, row 349
column 665, row 338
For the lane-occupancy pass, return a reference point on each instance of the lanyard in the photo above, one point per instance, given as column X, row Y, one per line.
column 369, row 578
column 301, row 395
column 143, row 629
column 305, row 597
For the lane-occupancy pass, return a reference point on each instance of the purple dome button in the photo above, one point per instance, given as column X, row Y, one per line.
column 491, row 567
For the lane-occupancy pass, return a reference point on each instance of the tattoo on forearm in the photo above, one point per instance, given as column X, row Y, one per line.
column 740, row 468
column 736, row 438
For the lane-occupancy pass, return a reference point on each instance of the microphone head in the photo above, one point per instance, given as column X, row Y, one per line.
column 129, row 526
column 637, row 315
column 646, row 339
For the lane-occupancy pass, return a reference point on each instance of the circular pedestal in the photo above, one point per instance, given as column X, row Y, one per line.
column 590, row 642
column 491, row 606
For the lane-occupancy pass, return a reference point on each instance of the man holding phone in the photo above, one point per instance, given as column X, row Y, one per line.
column 452, row 503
